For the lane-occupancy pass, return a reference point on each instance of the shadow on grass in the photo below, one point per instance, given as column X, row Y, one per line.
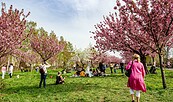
column 51, row 88
column 72, row 85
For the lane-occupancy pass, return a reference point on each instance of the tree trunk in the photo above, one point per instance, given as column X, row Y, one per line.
column 143, row 61
column 153, row 60
column 18, row 65
column 92, row 65
column 31, row 67
column 162, row 73
column 64, row 65
column 82, row 63
column 44, row 61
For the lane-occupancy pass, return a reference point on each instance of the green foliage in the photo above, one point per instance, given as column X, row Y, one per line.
column 82, row 89
column 64, row 57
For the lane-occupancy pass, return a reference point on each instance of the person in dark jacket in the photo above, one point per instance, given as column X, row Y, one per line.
column 122, row 67
column 59, row 79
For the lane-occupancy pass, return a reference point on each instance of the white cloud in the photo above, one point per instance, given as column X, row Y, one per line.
column 82, row 5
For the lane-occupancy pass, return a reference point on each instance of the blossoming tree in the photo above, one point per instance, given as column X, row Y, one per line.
column 146, row 22
column 45, row 45
column 12, row 27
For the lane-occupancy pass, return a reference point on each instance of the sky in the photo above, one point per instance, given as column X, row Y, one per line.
column 72, row 19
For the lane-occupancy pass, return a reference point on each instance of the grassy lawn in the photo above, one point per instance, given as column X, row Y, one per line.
column 82, row 89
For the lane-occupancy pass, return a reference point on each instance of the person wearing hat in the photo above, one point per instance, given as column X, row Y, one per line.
column 136, row 79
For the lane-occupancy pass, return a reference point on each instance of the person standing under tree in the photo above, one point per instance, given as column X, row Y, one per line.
column 115, row 68
column 102, row 68
column 10, row 70
column 88, row 72
column 4, row 69
column 111, row 65
column 136, row 79
column 43, row 74
column 122, row 67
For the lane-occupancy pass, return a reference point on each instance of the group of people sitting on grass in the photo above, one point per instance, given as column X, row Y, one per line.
column 90, row 73
column 99, row 71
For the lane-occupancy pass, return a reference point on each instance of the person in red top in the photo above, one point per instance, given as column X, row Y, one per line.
column 136, row 79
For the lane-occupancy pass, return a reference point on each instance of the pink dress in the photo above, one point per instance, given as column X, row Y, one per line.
column 136, row 79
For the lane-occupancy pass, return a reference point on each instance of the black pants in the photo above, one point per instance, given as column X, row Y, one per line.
column 43, row 79
column 10, row 75
column 60, row 82
column 111, row 69
column 122, row 69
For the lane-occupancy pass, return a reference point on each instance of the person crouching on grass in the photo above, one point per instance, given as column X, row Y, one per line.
column 59, row 79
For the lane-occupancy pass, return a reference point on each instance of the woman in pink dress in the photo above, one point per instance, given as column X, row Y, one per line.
column 136, row 79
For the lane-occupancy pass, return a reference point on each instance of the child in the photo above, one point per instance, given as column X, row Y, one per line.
column 59, row 79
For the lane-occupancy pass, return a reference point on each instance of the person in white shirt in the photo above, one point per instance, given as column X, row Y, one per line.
column 43, row 74
column 88, row 72
column 11, row 70
column 4, row 69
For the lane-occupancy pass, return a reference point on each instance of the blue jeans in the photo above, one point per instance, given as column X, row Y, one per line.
column 115, row 71
column 43, row 79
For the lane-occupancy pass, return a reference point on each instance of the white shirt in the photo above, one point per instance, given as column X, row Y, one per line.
column 11, row 69
column 45, row 67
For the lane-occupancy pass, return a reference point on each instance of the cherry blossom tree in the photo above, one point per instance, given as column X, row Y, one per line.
column 104, row 58
column 127, row 56
column 115, row 34
column 148, row 22
column 45, row 45
column 12, row 29
column 113, row 59
column 29, row 57
column 101, row 57
column 154, row 19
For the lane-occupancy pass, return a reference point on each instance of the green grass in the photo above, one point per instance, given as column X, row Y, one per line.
column 82, row 89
